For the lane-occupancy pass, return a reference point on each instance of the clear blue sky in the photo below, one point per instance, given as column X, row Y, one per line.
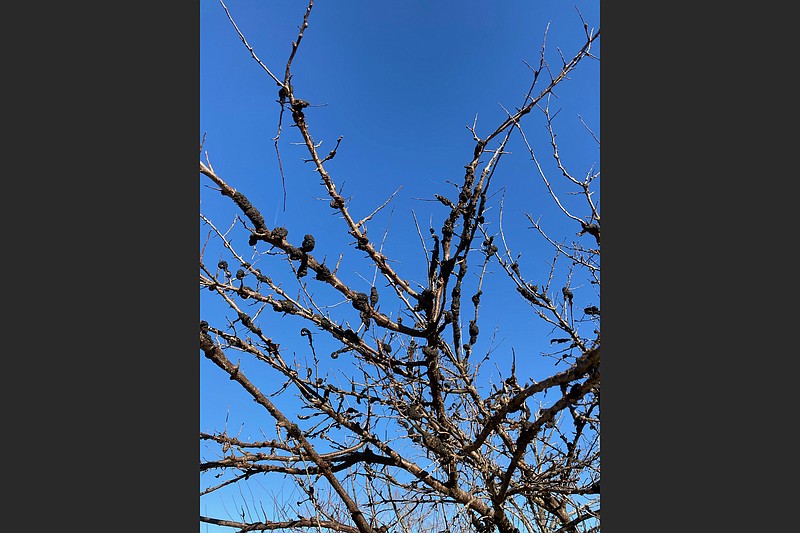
column 400, row 81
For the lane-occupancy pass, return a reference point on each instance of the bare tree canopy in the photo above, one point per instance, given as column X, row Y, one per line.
column 383, row 347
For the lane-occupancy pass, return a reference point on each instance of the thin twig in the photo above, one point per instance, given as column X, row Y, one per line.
column 250, row 48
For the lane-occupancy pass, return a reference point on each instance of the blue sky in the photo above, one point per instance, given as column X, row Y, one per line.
column 399, row 81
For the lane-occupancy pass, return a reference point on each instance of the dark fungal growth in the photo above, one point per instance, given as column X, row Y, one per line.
column 488, row 247
column 249, row 211
column 373, row 297
column 360, row 301
column 567, row 295
column 308, row 243
column 285, row 306
column 592, row 229
column 294, row 253
column 323, row 273
column 473, row 332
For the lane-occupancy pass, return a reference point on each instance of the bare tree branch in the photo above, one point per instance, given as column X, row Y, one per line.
column 389, row 405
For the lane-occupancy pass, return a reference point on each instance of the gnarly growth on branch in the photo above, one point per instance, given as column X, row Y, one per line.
column 411, row 427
